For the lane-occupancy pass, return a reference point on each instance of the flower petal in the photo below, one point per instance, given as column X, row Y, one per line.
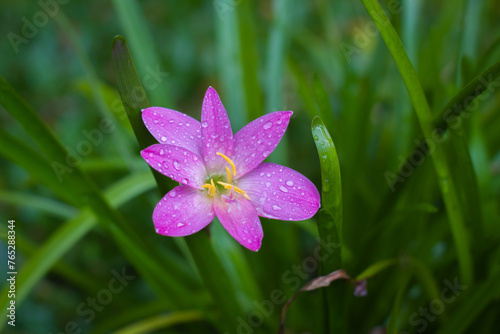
column 279, row 192
column 239, row 218
column 183, row 211
column 256, row 140
column 216, row 133
column 172, row 127
column 177, row 163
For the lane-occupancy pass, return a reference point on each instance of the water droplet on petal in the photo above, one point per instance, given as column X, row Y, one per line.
column 289, row 183
column 195, row 157
column 163, row 138
column 283, row 189
column 275, row 207
column 268, row 125
column 204, row 124
column 214, row 135
column 180, row 225
column 266, row 154
column 177, row 165
column 162, row 152
column 185, row 181
column 172, row 193
column 156, row 121
column 268, row 184
column 151, row 155
column 221, row 138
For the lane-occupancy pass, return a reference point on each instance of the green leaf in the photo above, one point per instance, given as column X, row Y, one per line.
column 161, row 322
column 330, row 222
column 68, row 235
column 376, row 268
column 136, row 29
column 441, row 166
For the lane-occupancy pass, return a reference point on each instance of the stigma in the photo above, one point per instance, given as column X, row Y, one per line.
column 230, row 173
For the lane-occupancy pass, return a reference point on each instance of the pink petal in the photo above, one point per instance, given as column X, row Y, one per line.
column 256, row 140
column 216, row 133
column 239, row 218
column 183, row 211
column 177, row 163
column 279, row 192
column 172, row 127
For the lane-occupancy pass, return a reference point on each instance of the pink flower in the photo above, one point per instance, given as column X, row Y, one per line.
column 221, row 174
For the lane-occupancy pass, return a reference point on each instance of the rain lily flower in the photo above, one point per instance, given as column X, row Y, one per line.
column 224, row 175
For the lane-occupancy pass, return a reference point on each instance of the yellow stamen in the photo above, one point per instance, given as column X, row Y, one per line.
column 229, row 161
column 238, row 190
column 229, row 178
column 213, row 187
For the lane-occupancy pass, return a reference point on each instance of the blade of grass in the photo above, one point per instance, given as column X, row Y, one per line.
column 120, row 138
column 40, row 203
column 452, row 110
column 474, row 302
column 424, row 115
column 249, row 59
column 161, row 322
column 135, row 26
column 229, row 49
column 330, row 222
column 37, row 165
column 69, row 234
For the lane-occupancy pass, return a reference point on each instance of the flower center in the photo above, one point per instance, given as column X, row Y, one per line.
column 223, row 187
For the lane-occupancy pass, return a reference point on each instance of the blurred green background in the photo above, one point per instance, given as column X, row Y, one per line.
column 317, row 58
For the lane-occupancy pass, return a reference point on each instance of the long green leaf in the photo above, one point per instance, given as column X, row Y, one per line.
column 135, row 26
column 417, row 96
column 161, row 322
column 69, row 234
column 330, row 222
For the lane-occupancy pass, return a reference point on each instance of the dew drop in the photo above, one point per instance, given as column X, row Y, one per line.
column 289, row 183
column 316, row 137
column 177, row 165
column 283, row 189
column 266, row 154
column 151, row 155
column 162, row 152
column 180, row 225
column 195, row 157
column 221, row 138
column 204, row 124
column 268, row 125
column 268, row 184
column 214, row 135
column 163, row 138
column 185, row 181
column 172, row 193
column 275, row 207
column 156, row 121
